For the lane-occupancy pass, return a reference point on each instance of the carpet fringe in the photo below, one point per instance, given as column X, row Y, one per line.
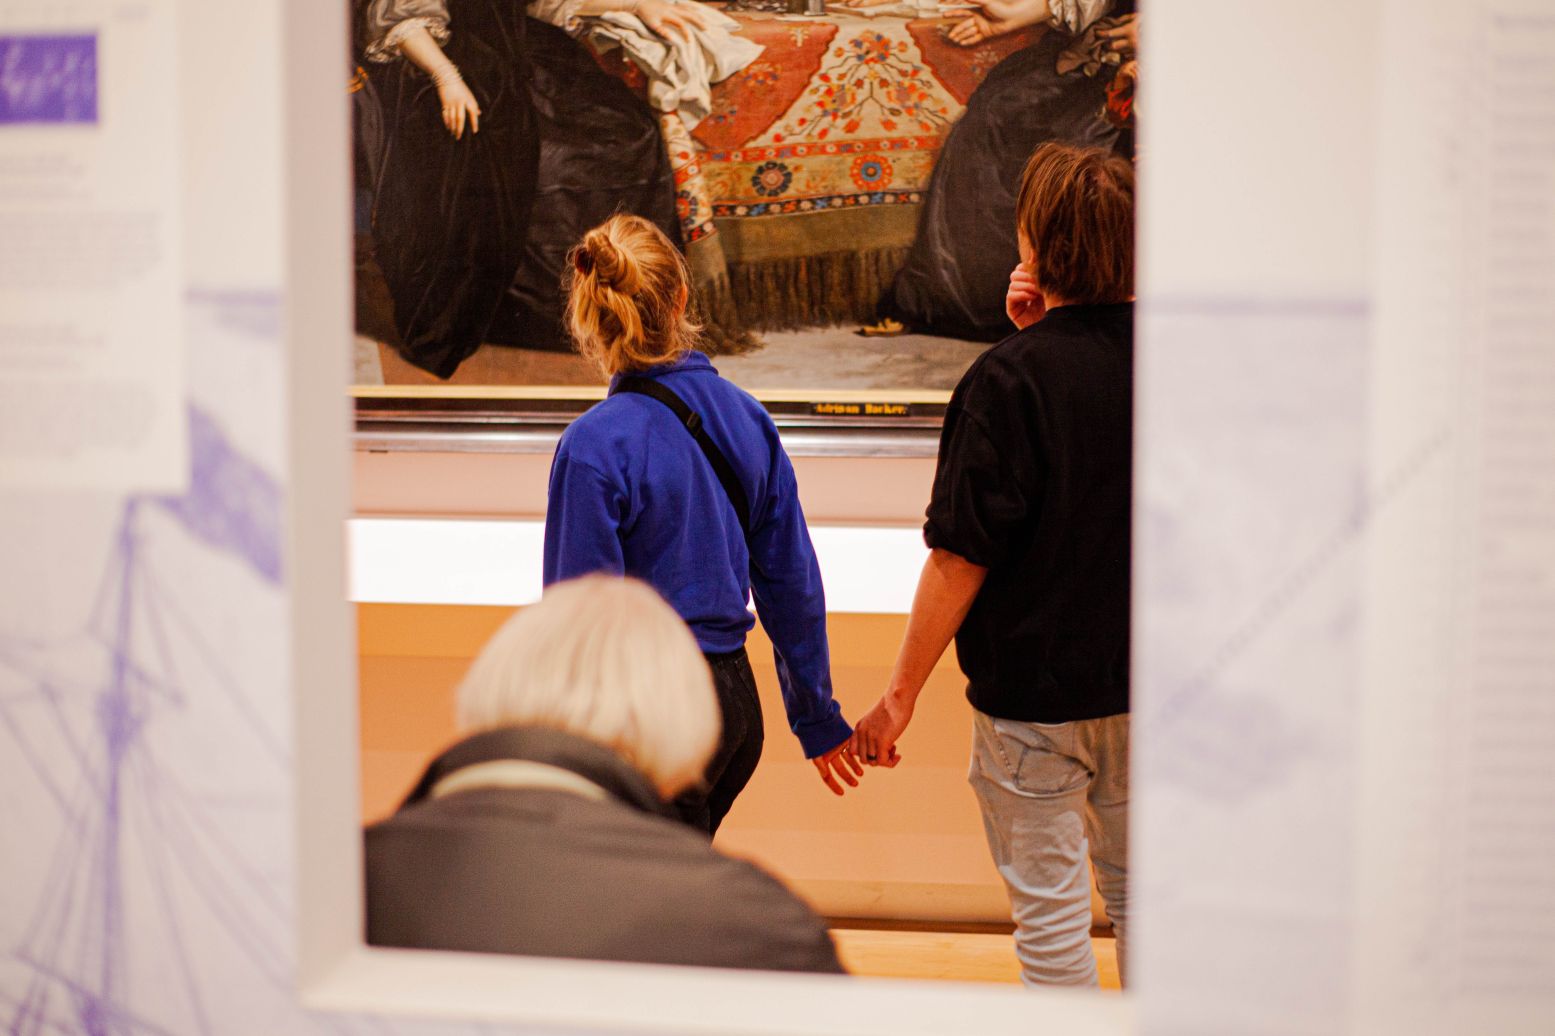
column 827, row 289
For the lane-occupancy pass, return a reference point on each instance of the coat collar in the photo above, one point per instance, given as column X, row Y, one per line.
column 591, row 761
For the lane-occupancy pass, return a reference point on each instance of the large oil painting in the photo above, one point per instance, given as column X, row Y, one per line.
column 839, row 173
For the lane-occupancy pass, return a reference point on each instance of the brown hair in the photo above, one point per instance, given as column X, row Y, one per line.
column 624, row 297
column 1076, row 208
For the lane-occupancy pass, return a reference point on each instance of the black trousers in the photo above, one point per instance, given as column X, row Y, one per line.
column 739, row 745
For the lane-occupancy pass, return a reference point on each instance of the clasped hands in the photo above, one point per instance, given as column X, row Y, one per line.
column 873, row 743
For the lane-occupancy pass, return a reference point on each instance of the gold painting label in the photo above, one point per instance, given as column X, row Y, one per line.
column 859, row 409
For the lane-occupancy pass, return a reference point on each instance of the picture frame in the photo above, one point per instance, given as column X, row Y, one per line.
column 841, row 186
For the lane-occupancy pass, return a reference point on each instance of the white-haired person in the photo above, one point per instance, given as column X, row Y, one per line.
column 679, row 479
column 547, row 831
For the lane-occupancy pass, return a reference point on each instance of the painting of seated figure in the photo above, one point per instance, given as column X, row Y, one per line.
column 840, row 175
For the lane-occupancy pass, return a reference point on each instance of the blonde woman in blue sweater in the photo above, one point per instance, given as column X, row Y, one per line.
column 678, row 478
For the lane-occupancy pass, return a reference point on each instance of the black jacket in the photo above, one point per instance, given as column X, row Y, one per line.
column 555, row 874
column 1033, row 484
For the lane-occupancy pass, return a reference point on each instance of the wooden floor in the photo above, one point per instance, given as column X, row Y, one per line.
column 947, row 956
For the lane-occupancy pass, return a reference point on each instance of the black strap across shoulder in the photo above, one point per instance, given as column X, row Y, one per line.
column 693, row 424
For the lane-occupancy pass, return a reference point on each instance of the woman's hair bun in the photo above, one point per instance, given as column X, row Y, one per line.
column 627, row 296
column 612, row 262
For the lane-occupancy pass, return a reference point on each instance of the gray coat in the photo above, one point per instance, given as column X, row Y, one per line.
column 552, row 873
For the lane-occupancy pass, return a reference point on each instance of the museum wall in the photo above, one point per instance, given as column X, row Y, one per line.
column 148, row 772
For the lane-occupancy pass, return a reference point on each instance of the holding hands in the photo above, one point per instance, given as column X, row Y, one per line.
column 945, row 593
column 873, row 742
column 876, row 734
column 839, row 762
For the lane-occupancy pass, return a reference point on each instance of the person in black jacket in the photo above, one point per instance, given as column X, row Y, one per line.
column 546, row 830
column 1028, row 529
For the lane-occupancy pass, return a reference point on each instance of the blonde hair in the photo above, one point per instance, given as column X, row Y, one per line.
column 606, row 659
column 625, row 306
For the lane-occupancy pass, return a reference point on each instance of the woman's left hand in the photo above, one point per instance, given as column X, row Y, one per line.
column 837, row 763
column 664, row 17
column 459, row 107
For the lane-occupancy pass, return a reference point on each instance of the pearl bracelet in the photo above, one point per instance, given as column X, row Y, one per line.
column 447, row 74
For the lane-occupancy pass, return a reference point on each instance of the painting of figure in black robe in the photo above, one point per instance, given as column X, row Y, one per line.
column 469, row 233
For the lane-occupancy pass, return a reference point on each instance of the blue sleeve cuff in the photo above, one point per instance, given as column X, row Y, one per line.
column 822, row 736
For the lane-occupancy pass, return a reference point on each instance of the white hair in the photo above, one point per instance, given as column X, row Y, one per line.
column 606, row 659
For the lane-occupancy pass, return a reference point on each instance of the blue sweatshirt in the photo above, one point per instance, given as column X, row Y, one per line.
column 631, row 493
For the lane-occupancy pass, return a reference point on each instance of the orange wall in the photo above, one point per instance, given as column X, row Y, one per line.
column 906, row 844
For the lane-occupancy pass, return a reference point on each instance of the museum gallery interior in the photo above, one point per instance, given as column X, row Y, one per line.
column 777, row 516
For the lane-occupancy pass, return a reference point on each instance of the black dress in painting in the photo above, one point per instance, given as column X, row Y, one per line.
column 955, row 277
column 471, row 235
column 450, row 217
column 601, row 152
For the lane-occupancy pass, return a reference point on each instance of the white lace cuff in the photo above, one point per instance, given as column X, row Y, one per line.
column 388, row 47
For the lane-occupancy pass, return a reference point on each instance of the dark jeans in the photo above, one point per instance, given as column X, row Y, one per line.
column 739, row 746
